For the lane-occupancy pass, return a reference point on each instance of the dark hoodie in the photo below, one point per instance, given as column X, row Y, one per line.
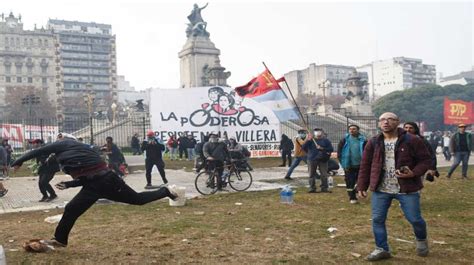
column 286, row 144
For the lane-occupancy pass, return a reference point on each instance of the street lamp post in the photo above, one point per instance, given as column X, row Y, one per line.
column 89, row 97
column 30, row 100
column 114, row 111
column 325, row 84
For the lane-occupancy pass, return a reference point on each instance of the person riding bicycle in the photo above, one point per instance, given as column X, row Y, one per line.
column 216, row 153
column 239, row 152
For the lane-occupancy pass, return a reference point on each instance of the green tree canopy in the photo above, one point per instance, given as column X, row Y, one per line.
column 423, row 104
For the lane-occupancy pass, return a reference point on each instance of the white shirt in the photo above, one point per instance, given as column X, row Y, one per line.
column 446, row 140
column 389, row 182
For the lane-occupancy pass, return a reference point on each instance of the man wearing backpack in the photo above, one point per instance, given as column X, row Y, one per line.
column 392, row 167
column 216, row 153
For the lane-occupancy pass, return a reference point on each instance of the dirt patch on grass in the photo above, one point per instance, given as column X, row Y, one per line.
column 214, row 230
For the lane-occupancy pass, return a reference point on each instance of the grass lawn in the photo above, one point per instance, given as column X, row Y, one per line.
column 214, row 230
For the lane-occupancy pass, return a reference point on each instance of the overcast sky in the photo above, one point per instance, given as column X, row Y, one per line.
column 285, row 35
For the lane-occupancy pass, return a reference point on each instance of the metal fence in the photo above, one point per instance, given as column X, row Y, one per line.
column 92, row 130
column 334, row 125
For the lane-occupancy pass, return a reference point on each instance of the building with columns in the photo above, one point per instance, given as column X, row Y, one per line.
column 27, row 66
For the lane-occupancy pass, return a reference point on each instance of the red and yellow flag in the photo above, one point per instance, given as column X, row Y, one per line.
column 458, row 111
column 259, row 85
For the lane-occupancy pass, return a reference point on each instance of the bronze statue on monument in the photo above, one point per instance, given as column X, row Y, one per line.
column 197, row 25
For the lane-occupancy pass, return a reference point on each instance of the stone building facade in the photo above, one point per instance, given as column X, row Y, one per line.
column 27, row 64
column 307, row 81
column 86, row 53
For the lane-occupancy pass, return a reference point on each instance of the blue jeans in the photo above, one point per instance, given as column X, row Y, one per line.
column 190, row 154
column 295, row 163
column 410, row 204
column 458, row 158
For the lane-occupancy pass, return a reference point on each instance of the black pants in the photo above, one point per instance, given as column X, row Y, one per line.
column 160, row 165
column 219, row 165
column 183, row 151
column 446, row 153
column 284, row 156
column 108, row 186
column 44, row 186
column 351, row 176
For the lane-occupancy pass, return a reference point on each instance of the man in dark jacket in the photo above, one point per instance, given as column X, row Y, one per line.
column 412, row 127
column 460, row 146
column 216, row 153
column 48, row 166
column 286, row 146
column 135, row 144
column 183, row 143
column 154, row 151
column 114, row 154
column 392, row 166
column 319, row 150
column 190, row 147
column 88, row 170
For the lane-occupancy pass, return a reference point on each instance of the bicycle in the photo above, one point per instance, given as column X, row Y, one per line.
column 239, row 179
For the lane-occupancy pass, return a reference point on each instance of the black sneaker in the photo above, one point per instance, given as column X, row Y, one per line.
column 52, row 198
column 149, row 187
column 312, row 191
column 44, row 199
column 326, row 191
column 173, row 195
column 288, row 178
column 3, row 192
column 378, row 254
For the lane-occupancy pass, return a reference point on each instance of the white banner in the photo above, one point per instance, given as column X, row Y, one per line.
column 17, row 134
column 199, row 111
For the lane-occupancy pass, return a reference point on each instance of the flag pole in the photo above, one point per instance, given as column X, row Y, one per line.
column 293, row 98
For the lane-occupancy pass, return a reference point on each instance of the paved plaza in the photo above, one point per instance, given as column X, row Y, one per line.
column 23, row 194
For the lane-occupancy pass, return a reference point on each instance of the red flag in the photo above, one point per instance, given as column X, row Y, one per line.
column 458, row 111
column 259, row 85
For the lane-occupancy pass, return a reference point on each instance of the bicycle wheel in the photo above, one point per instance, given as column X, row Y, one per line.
column 206, row 183
column 240, row 180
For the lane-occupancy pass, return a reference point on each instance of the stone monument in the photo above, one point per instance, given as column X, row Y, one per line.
column 357, row 98
column 199, row 58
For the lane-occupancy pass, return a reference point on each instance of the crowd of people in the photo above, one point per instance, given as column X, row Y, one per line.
column 392, row 165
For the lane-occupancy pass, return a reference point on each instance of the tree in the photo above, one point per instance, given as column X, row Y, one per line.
column 423, row 104
column 28, row 103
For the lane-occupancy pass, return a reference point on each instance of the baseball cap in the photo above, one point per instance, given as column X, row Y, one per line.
column 462, row 125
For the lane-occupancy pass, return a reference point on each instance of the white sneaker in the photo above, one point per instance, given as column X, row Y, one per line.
column 354, row 201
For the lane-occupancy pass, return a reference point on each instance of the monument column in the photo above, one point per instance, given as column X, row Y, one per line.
column 199, row 58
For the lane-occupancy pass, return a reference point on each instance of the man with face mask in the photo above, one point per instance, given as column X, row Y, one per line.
column 319, row 150
column 153, row 149
column 300, row 154
column 216, row 153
